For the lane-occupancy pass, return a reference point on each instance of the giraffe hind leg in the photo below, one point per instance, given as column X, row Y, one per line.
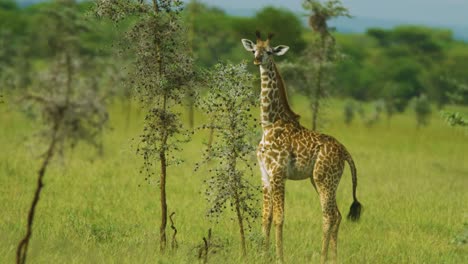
column 331, row 219
column 334, row 235
column 326, row 178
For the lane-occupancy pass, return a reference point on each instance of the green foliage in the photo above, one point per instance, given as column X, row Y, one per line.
column 455, row 119
column 399, row 64
column 8, row 5
column 210, row 32
column 460, row 95
column 229, row 103
column 462, row 238
column 14, row 68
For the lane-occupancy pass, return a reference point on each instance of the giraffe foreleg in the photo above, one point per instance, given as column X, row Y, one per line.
column 278, row 217
column 267, row 213
column 267, row 216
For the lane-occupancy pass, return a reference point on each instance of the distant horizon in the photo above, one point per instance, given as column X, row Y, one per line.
column 359, row 24
column 446, row 13
column 364, row 12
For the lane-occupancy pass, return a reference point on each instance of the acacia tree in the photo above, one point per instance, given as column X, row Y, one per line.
column 348, row 111
column 70, row 111
column 422, row 109
column 312, row 74
column 161, row 74
column 229, row 102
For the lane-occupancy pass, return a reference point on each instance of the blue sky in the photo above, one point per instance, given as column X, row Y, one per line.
column 433, row 12
column 430, row 12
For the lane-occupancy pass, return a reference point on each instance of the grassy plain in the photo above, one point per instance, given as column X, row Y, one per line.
column 413, row 185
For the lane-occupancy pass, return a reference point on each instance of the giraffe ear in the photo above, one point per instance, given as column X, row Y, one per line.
column 280, row 50
column 248, row 44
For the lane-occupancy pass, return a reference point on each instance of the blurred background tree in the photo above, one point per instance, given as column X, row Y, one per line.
column 71, row 108
column 422, row 109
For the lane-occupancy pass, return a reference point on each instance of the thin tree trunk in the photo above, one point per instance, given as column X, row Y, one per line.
column 162, row 185
column 191, row 103
column 162, row 152
column 318, row 86
column 22, row 249
column 191, row 112
column 240, row 220
column 237, row 184
column 174, row 244
column 317, row 98
column 210, row 138
column 128, row 111
column 24, row 243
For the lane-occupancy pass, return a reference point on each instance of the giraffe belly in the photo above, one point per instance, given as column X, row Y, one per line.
column 265, row 177
column 297, row 171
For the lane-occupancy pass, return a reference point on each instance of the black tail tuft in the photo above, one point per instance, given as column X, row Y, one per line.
column 355, row 211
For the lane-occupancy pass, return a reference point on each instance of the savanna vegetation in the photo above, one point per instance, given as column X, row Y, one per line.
column 143, row 83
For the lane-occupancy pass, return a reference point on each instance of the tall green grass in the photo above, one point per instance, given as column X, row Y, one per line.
column 412, row 183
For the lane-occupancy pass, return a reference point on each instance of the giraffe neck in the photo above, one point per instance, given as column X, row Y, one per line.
column 273, row 98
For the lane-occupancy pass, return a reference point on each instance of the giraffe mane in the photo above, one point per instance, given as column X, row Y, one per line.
column 284, row 95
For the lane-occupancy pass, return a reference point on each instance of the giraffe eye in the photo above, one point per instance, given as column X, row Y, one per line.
column 269, row 52
column 253, row 51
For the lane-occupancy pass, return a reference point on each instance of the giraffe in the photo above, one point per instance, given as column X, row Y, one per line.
column 287, row 150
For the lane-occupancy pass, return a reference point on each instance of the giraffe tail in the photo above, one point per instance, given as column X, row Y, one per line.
column 355, row 209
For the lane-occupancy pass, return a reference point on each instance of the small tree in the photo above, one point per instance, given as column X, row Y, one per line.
column 161, row 75
column 422, row 109
column 378, row 108
column 70, row 111
column 390, row 110
column 229, row 102
column 349, row 112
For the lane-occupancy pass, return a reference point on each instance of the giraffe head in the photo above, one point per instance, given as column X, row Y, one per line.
column 262, row 50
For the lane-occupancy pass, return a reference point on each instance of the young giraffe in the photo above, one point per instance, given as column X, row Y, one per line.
column 290, row 151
